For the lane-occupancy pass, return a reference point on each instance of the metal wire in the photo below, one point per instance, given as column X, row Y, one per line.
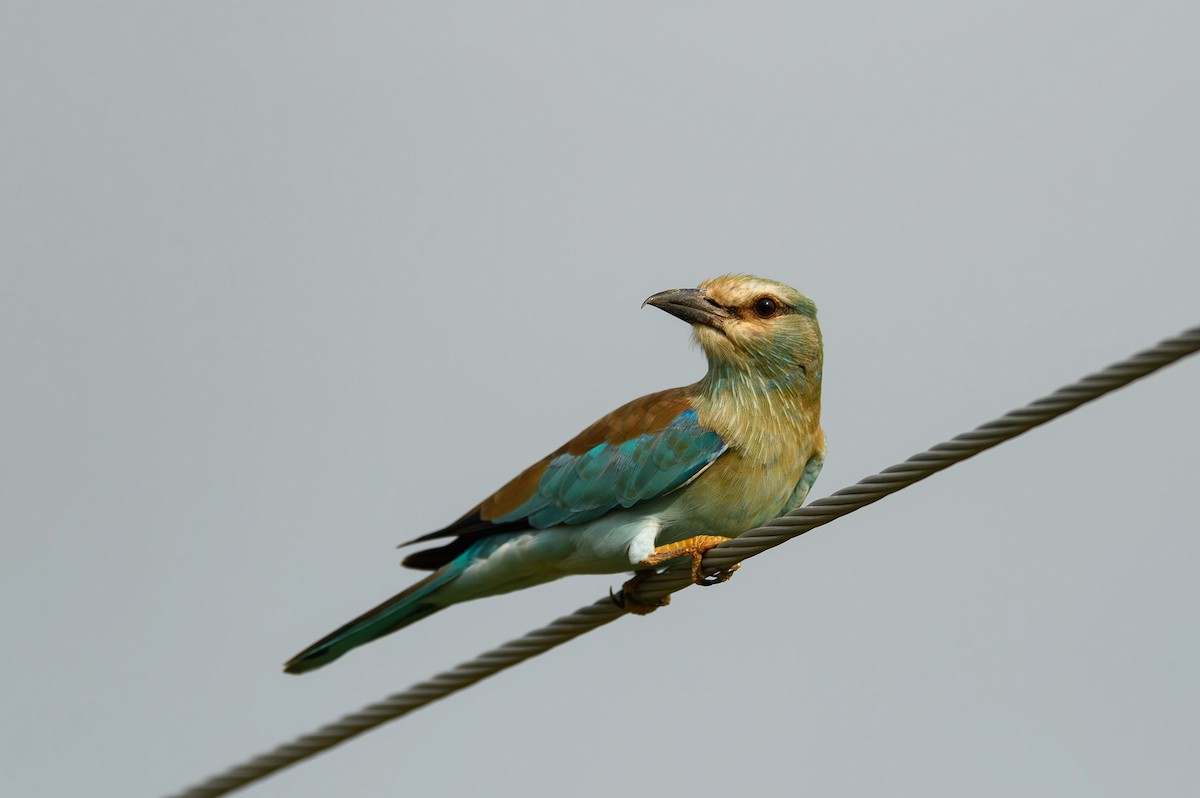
column 749, row 544
column 397, row 705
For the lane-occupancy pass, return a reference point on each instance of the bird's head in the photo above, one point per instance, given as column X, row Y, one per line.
column 751, row 326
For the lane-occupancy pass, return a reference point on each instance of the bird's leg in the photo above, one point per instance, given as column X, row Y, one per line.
column 695, row 548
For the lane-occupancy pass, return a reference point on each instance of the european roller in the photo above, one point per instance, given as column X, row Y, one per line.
column 666, row 476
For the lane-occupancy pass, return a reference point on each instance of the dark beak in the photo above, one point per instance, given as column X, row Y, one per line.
column 690, row 304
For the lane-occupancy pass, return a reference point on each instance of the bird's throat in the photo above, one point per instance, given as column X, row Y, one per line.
column 756, row 409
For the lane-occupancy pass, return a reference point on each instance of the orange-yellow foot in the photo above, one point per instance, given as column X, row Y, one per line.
column 627, row 600
column 695, row 548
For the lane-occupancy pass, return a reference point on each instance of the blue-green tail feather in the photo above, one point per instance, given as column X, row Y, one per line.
column 390, row 616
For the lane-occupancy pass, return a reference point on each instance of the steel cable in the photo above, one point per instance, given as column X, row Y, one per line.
column 724, row 556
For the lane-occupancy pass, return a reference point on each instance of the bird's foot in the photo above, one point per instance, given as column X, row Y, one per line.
column 628, row 601
column 717, row 578
column 694, row 547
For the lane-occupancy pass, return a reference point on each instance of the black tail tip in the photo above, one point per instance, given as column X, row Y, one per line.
column 309, row 660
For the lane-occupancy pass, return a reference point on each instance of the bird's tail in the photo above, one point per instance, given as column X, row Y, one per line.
column 396, row 613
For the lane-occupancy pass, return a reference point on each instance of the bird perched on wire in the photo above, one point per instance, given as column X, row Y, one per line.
column 669, row 475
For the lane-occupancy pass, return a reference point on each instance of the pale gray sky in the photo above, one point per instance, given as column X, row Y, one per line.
column 282, row 285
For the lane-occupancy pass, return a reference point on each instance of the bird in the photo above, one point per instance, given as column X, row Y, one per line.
column 663, row 477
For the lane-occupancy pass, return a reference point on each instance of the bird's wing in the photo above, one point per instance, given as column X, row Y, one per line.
column 641, row 450
column 812, row 470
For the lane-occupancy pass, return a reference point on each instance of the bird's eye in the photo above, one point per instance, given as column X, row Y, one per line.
column 766, row 307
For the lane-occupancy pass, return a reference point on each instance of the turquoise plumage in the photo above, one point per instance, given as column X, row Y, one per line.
column 665, row 476
column 578, row 488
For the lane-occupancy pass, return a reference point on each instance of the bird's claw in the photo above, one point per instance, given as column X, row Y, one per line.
column 695, row 548
column 718, row 577
column 627, row 600
column 698, row 551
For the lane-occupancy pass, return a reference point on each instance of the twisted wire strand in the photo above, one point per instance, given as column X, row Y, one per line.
column 724, row 556
column 400, row 704
column 943, row 455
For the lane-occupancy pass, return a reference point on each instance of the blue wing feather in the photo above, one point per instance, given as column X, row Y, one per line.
column 811, row 470
column 578, row 488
